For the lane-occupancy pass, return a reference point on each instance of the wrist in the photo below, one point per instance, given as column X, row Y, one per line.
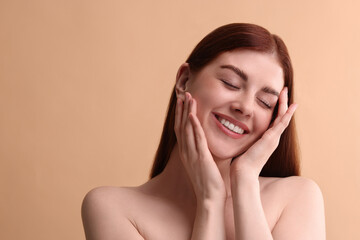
column 244, row 182
column 207, row 203
column 244, row 176
column 213, row 194
column 209, row 209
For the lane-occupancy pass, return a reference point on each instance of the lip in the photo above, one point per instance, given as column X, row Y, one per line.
column 233, row 121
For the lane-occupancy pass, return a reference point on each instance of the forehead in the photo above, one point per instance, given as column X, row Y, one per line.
column 261, row 68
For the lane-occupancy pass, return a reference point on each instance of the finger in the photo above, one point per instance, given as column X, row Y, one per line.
column 200, row 139
column 185, row 111
column 283, row 122
column 193, row 109
column 182, row 122
column 189, row 138
column 283, row 102
column 178, row 116
column 283, row 105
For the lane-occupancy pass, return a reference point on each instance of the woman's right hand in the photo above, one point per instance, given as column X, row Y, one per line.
column 194, row 152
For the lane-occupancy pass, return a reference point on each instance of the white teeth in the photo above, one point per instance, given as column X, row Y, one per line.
column 231, row 126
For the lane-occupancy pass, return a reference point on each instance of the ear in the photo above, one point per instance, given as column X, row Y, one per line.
column 182, row 78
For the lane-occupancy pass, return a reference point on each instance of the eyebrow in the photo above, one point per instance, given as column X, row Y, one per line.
column 244, row 76
column 270, row 91
column 236, row 70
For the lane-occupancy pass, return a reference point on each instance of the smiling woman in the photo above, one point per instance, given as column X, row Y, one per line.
column 226, row 166
column 243, row 102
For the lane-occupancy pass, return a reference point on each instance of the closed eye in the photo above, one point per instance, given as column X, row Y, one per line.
column 265, row 103
column 229, row 84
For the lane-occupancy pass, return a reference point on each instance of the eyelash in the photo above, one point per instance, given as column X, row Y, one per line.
column 229, row 84
column 266, row 104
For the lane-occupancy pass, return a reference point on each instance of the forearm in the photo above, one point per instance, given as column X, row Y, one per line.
column 209, row 221
column 250, row 220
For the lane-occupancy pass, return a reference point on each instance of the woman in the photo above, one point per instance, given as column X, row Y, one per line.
column 226, row 166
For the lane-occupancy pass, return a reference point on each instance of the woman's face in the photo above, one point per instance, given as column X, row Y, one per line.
column 236, row 95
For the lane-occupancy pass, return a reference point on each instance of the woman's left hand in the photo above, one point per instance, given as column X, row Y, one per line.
column 250, row 163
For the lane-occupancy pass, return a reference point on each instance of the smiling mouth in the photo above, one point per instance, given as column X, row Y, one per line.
column 232, row 127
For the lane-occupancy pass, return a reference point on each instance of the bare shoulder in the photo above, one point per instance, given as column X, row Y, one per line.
column 110, row 196
column 303, row 209
column 105, row 213
column 293, row 186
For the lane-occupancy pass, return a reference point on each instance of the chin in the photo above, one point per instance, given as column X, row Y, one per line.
column 224, row 153
column 227, row 152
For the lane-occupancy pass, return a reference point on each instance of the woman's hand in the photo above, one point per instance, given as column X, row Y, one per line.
column 194, row 152
column 250, row 163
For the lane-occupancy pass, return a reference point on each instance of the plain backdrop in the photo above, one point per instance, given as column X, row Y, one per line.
column 84, row 87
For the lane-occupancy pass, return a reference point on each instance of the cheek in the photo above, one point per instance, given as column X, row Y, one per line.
column 202, row 107
column 263, row 123
column 206, row 101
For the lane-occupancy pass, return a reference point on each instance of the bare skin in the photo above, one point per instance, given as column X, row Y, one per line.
column 164, row 207
column 200, row 195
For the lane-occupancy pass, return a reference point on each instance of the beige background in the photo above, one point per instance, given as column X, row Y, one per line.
column 84, row 86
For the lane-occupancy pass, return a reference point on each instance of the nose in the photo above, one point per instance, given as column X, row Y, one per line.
column 244, row 104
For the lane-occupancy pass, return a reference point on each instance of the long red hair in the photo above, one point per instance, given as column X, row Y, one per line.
column 284, row 161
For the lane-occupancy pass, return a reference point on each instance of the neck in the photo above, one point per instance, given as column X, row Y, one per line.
column 174, row 182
